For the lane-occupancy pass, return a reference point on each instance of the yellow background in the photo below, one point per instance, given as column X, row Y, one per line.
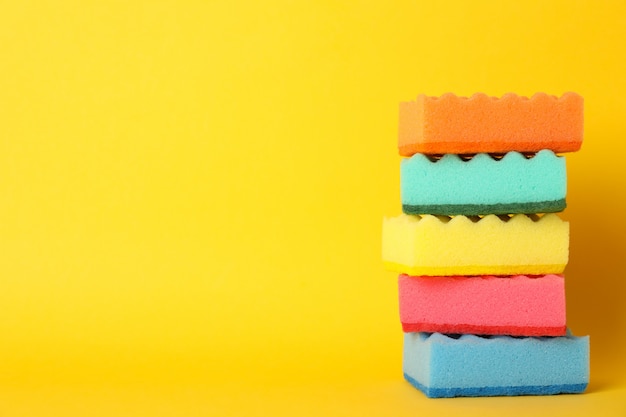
column 191, row 198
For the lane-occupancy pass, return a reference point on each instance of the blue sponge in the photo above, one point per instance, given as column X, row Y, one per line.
column 470, row 366
column 483, row 184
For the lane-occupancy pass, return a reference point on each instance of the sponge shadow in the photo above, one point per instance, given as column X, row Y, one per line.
column 594, row 281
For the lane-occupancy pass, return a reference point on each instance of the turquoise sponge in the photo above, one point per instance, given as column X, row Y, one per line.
column 469, row 366
column 483, row 184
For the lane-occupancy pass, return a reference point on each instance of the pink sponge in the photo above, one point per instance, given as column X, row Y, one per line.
column 519, row 305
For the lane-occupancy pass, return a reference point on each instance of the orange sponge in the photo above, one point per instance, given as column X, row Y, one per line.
column 461, row 125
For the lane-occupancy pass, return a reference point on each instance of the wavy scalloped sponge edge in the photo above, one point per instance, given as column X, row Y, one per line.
column 461, row 245
column 467, row 365
column 460, row 125
column 518, row 305
column 483, row 184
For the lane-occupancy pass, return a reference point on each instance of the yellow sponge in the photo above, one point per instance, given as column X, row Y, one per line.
column 489, row 245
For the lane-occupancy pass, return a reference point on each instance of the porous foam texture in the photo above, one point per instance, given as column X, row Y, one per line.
column 462, row 245
column 483, row 184
column 467, row 365
column 452, row 124
column 517, row 305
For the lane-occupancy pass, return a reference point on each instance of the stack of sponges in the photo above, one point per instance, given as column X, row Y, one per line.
column 480, row 249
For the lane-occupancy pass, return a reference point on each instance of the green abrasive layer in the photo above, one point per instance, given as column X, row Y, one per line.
column 480, row 209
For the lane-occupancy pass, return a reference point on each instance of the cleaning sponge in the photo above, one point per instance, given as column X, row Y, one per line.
column 451, row 124
column 491, row 245
column 517, row 305
column 483, row 184
column 467, row 365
